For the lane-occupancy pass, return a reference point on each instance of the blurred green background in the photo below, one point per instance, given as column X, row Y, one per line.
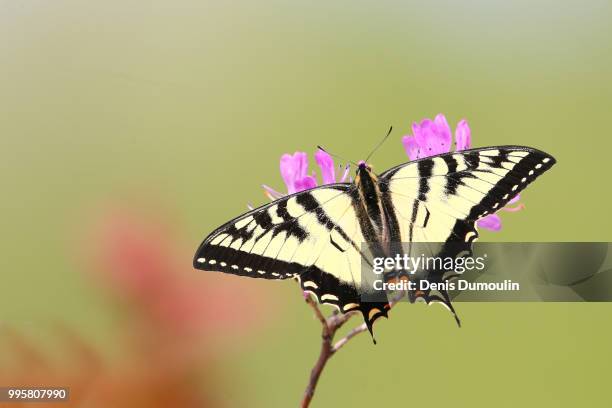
column 179, row 111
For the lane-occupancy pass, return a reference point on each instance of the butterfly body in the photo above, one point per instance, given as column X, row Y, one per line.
column 322, row 236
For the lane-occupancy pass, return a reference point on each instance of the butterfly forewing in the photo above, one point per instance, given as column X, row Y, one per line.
column 433, row 193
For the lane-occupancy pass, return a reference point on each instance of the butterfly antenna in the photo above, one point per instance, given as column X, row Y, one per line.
column 384, row 139
column 337, row 157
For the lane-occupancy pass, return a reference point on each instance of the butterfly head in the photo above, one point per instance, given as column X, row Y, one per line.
column 364, row 173
column 363, row 166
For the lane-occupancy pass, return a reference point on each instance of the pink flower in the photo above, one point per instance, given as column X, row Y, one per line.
column 432, row 137
column 326, row 164
column 294, row 171
column 491, row 222
column 463, row 136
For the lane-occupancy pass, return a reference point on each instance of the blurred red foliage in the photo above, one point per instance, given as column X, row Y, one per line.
column 175, row 323
column 141, row 261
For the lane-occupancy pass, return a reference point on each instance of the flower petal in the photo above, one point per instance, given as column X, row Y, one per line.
column 287, row 170
column 422, row 131
column 326, row 164
column 491, row 222
column 514, row 200
column 416, row 130
column 272, row 193
column 463, row 136
column 302, row 159
column 346, row 173
column 413, row 150
column 431, row 139
column 444, row 132
column 292, row 168
column 305, row 183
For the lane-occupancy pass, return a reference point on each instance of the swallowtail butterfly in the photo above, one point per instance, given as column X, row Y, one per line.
column 316, row 236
